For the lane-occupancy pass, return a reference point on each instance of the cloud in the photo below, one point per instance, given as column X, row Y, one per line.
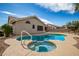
column 56, row 7
column 9, row 13
column 13, row 14
column 45, row 21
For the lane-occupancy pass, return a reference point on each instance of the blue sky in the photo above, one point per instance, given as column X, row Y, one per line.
column 58, row 14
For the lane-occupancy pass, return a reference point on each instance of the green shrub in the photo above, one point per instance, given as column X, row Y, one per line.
column 7, row 29
column 1, row 34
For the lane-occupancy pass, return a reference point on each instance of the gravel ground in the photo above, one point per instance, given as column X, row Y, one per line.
column 3, row 46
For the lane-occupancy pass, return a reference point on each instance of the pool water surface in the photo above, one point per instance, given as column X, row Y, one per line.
column 44, row 37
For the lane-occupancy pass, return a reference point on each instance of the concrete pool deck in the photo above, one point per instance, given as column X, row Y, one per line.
column 64, row 48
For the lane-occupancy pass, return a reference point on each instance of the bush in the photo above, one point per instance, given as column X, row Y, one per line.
column 7, row 29
column 1, row 34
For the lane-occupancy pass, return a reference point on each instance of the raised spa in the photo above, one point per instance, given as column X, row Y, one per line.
column 45, row 46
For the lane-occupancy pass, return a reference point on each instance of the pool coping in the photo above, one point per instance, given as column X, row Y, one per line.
column 60, row 50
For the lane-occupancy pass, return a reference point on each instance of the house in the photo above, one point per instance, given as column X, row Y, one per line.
column 50, row 27
column 61, row 29
column 31, row 24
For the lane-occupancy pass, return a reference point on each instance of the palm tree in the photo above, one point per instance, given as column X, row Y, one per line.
column 77, row 7
column 7, row 29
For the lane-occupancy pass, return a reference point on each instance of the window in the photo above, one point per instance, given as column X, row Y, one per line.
column 33, row 26
column 45, row 28
column 40, row 28
column 14, row 22
column 28, row 22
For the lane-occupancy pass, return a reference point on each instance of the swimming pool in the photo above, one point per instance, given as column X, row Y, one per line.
column 44, row 46
column 43, row 37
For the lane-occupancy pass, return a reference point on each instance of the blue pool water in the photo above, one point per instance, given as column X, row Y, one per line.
column 44, row 37
column 44, row 46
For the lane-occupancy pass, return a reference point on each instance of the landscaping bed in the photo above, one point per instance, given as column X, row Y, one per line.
column 3, row 46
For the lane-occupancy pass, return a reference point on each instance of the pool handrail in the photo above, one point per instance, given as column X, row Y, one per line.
column 23, row 43
column 27, row 33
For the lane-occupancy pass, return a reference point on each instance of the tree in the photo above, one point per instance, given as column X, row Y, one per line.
column 77, row 7
column 7, row 29
column 73, row 26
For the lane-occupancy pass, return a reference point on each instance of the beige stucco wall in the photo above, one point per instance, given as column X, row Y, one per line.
column 21, row 25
